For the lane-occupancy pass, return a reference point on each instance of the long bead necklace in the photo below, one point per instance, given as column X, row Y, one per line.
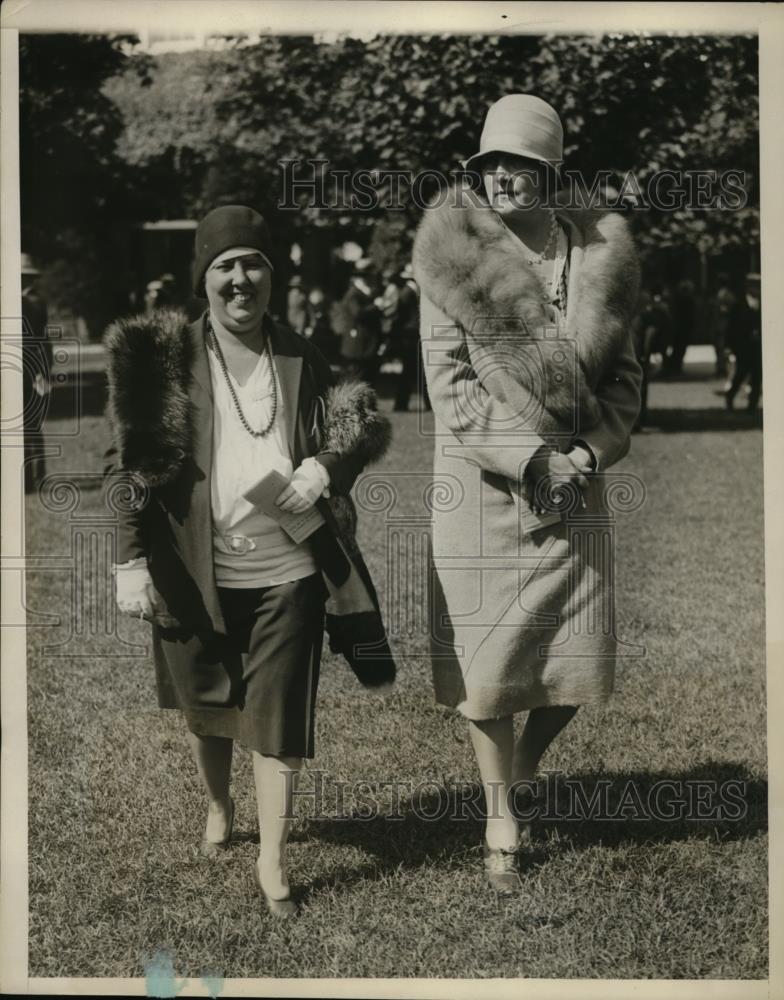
column 222, row 364
column 553, row 289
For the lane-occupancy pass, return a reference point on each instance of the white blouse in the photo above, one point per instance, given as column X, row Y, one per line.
column 249, row 548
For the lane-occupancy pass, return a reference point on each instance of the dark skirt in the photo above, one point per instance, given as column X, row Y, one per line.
column 256, row 684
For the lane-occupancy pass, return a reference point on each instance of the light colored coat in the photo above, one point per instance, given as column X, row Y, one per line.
column 522, row 608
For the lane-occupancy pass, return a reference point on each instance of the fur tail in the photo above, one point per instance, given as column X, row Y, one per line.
column 353, row 424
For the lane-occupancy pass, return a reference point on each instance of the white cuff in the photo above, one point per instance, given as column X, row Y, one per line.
column 313, row 465
column 131, row 564
column 310, row 480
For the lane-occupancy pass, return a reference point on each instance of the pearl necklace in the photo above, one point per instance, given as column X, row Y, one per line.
column 538, row 258
column 222, row 365
column 533, row 258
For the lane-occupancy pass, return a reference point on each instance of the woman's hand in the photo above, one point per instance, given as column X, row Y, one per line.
column 135, row 593
column 567, row 471
column 582, row 457
column 306, row 486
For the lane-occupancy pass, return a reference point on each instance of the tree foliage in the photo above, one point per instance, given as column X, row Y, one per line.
column 637, row 103
column 179, row 134
column 651, row 103
column 77, row 196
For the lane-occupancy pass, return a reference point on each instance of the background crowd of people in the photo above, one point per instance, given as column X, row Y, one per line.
column 664, row 329
column 374, row 322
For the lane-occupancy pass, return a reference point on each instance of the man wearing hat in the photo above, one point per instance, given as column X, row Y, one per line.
column 207, row 418
column 406, row 338
column 357, row 319
column 36, row 373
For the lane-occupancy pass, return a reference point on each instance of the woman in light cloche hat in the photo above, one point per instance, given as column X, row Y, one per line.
column 526, row 308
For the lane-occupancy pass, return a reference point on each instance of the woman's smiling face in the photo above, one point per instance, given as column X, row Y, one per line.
column 238, row 289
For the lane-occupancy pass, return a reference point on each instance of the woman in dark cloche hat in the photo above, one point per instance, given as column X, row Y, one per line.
column 239, row 546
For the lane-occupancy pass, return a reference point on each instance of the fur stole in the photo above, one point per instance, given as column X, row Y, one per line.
column 149, row 373
column 472, row 268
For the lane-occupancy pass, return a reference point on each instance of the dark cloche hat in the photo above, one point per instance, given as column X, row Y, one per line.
column 226, row 227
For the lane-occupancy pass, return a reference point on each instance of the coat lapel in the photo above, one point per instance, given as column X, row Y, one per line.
column 200, row 366
column 197, row 552
column 200, row 393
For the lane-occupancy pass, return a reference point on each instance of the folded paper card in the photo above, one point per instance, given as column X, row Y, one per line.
column 264, row 493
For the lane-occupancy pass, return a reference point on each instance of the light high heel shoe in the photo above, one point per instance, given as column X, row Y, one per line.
column 280, row 908
column 211, row 848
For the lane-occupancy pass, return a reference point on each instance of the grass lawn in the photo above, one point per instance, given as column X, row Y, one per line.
column 116, row 811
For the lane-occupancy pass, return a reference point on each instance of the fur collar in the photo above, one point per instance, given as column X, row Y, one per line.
column 152, row 362
column 472, row 268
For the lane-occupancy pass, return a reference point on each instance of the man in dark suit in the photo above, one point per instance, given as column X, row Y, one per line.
column 36, row 374
column 650, row 335
column 684, row 312
column 359, row 325
column 411, row 376
column 745, row 337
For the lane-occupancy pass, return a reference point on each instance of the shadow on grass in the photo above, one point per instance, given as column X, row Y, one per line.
column 709, row 419
column 718, row 802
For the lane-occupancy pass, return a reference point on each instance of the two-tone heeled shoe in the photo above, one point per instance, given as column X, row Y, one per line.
column 280, row 908
column 501, row 869
column 211, row 848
